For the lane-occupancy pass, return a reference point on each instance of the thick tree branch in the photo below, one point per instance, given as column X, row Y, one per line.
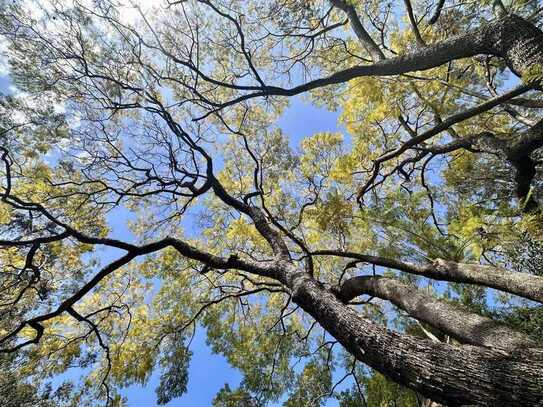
column 516, row 151
column 460, row 375
column 442, row 126
column 512, row 38
column 364, row 37
column 527, row 103
column 462, row 324
column 521, row 284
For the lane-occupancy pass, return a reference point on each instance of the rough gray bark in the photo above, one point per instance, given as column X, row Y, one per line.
column 359, row 30
column 517, row 41
column 454, row 375
column 521, row 284
column 454, row 320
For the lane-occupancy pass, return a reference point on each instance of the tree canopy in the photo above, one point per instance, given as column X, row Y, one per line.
column 397, row 261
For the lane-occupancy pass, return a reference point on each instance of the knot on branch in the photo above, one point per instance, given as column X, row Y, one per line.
column 441, row 266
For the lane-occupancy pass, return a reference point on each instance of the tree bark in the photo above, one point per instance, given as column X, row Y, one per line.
column 517, row 41
column 454, row 375
column 522, row 284
column 454, row 320
column 516, row 151
column 363, row 36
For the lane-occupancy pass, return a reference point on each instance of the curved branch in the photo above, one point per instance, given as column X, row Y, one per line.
column 521, row 284
column 233, row 262
column 437, row 12
column 364, row 37
column 452, row 319
column 413, row 22
column 488, row 376
column 517, row 152
column 442, row 126
column 512, row 38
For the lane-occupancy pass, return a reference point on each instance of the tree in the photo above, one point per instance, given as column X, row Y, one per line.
column 165, row 118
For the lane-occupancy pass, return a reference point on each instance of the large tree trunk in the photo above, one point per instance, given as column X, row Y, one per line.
column 454, row 375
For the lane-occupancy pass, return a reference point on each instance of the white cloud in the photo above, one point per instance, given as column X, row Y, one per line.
column 132, row 10
column 18, row 117
column 59, row 108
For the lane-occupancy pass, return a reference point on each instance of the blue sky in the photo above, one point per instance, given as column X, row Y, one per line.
column 208, row 372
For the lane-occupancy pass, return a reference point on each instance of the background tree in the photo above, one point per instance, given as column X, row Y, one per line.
column 407, row 245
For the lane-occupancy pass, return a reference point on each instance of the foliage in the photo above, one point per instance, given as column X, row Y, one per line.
column 144, row 166
column 173, row 381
